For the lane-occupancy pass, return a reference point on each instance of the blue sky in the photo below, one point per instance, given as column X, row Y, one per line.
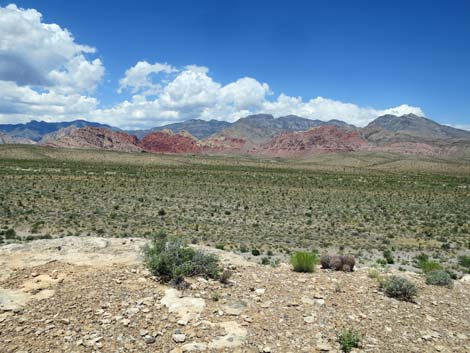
column 362, row 58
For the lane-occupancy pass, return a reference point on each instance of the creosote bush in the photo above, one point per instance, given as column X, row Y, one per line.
column 344, row 263
column 172, row 259
column 439, row 278
column 426, row 265
column 304, row 261
column 349, row 339
column 399, row 288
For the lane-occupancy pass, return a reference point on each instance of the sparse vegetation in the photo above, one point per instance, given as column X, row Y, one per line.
column 348, row 340
column 304, row 261
column 439, row 278
column 87, row 193
column 172, row 259
column 426, row 265
column 399, row 288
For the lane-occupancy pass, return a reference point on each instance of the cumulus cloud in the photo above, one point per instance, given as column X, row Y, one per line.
column 191, row 92
column 138, row 78
column 43, row 71
column 45, row 74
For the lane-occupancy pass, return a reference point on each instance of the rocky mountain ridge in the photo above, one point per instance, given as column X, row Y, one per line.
column 288, row 136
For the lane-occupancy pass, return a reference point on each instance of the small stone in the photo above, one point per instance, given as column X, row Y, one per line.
column 143, row 332
column 323, row 347
column 149, row 339
column 260, row 291
column 179, row 337
column 309, row 319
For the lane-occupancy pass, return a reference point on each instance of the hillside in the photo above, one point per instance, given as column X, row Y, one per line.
column 200, row 129
column 316, row 140
column 262, row 127
column 92, row 137
column 8, row 139
column 167, row 142
column 390, row 128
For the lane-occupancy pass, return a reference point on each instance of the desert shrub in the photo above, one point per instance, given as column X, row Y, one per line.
column 349, row 261
column 161, row 212
column 10, row 234
column 215, row 296
column 429, row 265
column 399, row 288
column 338, row 262
column 464, row 261
column 304, row 261
column 348, row 340
column 220, row 246
column 325, row 261
column 388, row 256
column 373, row 273
column 255, row 252
column 243, row 248
column 171, row 258
column 225, row 276
column 439, row 278
column 265, row 261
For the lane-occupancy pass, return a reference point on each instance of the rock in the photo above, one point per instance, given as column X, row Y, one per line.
column 260, row 291
column 179, row 337
column 187, row 308
column 309, row 319
column 149, row 339
column 308, row 301
column 12, row 300
column 143, row 332
column 324, row 347
column 125, row 322
column 234, row 308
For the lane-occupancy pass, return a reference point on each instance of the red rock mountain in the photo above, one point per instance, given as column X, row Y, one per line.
column 316, row 140
column 168, row 142
column 92, row 137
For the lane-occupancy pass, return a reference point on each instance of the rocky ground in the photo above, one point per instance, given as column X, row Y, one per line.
column 94, row 295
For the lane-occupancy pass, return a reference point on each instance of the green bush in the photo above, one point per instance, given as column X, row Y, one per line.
column 255, row 252
column 428, row 266
column 439, row 278
column 399, row 288
column 303, row 261
column 10, row 234
column 388, row 256
column 171, row 258
column 348, row 340
column 464, row 261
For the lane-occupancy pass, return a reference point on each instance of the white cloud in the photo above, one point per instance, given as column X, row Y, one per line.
column 44, row 73
column 461, row 126
column 137, row 78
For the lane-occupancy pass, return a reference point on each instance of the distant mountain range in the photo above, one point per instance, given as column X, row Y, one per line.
column 35, row 130
column 200, row 129
column 255, row 134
